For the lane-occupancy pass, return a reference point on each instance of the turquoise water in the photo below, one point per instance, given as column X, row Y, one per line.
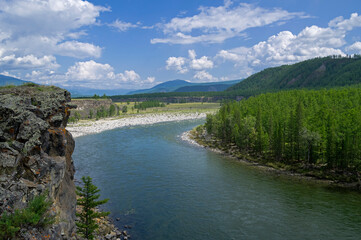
column 168, row 189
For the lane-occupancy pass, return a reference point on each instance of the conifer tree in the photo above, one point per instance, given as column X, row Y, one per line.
column 297, row 129
column 88, row 201
column 259, row 130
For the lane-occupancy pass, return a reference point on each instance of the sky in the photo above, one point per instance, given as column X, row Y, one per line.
column 135, row 44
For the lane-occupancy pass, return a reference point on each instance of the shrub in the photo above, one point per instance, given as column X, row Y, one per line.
column 34, row 215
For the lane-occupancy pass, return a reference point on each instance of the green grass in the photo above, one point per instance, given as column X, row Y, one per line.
column 173, row 108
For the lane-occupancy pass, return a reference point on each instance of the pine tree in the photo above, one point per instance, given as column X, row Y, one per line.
column 87, row 200
column 259, row 130
column 297, row 129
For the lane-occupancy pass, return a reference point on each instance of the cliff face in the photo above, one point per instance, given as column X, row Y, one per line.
column 84, row 106
column 35, row 154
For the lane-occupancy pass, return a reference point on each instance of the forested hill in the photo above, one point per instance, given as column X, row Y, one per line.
column 314, row 73
column 316, row 132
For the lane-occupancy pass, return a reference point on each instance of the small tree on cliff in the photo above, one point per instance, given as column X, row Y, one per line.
column 87, row 200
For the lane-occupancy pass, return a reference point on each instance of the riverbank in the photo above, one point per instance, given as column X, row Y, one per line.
column 200, row 138
column 86, row 127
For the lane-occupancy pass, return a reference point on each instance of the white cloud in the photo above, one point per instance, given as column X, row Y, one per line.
column 78, row 49
column 91, row 74
column 150, row 79
column 176, row 63
column 90, row 70
column 9, row 62
column 203, row 75
column 183, row 65
column 286, row 47
column 6, row 73
column 346, row 24
column 129, row 76
column 192, row 54
column 355, row 48
column 50, row 26
column 217, row 24
column 201, row 63
column 123, row 26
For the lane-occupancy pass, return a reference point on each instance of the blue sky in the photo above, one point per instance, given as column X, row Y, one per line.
column 132, row 44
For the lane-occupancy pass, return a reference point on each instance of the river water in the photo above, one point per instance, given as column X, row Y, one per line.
column 167, row 189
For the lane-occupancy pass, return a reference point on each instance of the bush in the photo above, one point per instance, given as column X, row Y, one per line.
column 33, row 215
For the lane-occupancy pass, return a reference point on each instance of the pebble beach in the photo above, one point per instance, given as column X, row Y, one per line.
column 92, row 127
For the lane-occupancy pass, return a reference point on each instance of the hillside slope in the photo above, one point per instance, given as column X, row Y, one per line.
column 168, row 86
column 184, row 86
column 6, row 80
column 314, row 73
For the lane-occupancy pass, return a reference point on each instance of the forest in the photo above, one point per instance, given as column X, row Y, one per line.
column 305, row 128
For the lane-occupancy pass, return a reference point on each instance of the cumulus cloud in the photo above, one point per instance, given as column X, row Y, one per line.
column 183, row 65
column 90, row 70
column 11, row 62
column 129, row 76
column 346, row 24
column 216, row 24
column 201, row 63
column 355, row 48
column 50, row 26
column 286, row 47
column 123, row 26
column 177, row 63
column 91, row 74
column 150, row 79
column 78, row 49
column 204, row 76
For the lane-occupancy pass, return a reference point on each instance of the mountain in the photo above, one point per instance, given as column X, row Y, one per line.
column 88, row 92
column 169, row 86
column 323, row 72
column 6, row 80
column 184, row 86
column 208, row 87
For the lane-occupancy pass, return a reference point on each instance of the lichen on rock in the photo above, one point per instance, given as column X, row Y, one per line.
column 35, row 154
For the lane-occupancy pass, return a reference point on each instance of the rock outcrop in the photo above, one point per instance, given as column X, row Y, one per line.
column 84, row 106
column 35, row 154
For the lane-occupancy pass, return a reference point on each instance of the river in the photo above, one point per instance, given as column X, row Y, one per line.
column 167, row 189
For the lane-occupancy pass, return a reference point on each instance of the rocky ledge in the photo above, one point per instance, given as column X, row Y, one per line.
column 35, row 155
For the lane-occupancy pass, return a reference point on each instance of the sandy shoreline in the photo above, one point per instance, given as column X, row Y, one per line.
column 91, row 127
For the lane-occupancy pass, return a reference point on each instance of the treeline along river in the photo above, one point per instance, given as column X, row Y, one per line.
column 166, row 188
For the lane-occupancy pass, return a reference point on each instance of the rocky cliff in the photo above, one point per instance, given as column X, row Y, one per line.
column 35, row 155
column 84, row 106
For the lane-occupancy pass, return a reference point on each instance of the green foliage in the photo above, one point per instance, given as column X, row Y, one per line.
column 112, row 110
column 95, row 96
column 124, row 109
column 328, row 72
column 148, row 104
column 31, row 84
column 88, row 201
column 317, row 127
column 34, row 215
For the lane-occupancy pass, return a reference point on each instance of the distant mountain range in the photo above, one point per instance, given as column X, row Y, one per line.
column 185, row 86
column 326, row 72
column 88, row 92
column 6, row 80
column 170, row 86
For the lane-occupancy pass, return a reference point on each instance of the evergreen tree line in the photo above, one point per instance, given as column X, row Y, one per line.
column 102, row 112
column 311, row 127
column 148, row 104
